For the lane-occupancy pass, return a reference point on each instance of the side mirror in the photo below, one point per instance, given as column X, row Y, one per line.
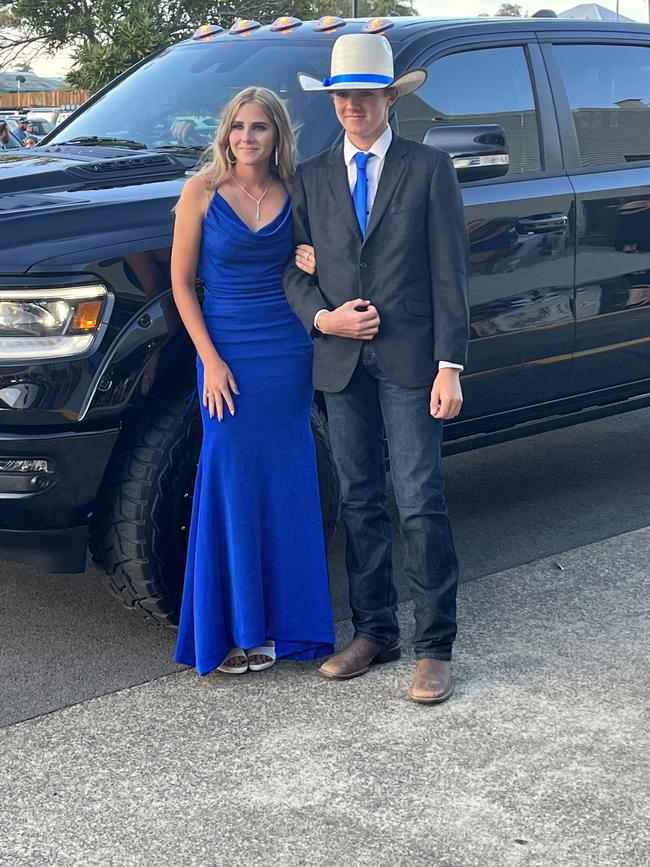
column 478, row 151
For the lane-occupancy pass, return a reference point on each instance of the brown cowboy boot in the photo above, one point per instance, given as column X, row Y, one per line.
column 432, row 683
column 357, row 658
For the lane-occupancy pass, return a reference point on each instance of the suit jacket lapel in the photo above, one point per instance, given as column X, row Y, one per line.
column 394, row 166
column 337, row 177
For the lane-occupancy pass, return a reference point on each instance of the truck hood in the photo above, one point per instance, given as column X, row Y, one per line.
column 59, row 202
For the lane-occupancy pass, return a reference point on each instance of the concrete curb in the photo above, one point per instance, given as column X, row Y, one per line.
column 541, row 757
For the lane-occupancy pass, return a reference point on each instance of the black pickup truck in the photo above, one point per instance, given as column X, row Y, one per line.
column 548, row 123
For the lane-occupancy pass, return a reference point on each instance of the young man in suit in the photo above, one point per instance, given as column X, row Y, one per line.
column 388, row 309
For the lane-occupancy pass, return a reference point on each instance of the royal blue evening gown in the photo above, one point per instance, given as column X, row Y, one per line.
column 256, row 564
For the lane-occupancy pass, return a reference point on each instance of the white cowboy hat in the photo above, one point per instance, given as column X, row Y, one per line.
column 363, row 61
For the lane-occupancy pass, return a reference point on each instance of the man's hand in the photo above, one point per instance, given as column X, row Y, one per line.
column 184, row 131
column 357, row 319
column 446, row 394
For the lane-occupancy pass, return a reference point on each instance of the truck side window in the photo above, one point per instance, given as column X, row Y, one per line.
column 489, row 85
column 608, row 87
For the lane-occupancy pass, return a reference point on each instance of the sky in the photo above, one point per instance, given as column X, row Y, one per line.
column 635, row 9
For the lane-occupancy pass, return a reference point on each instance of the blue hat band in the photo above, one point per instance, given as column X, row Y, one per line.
column 357, row 78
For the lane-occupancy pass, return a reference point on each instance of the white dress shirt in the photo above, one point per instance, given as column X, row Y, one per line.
column 374, row 169
column 374, row 166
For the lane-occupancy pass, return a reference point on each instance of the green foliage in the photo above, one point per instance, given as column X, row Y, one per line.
column 108, row 36
column 367, row 8
column 132, row 36
column 5, row 25
column 508, row 10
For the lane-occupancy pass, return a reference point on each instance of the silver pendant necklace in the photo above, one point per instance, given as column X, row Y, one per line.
column 258, row 202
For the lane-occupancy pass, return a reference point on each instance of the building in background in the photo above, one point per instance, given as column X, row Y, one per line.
column 593, row 12
column 14, row 82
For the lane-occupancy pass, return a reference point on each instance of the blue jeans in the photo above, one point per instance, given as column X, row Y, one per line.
column 358, row 417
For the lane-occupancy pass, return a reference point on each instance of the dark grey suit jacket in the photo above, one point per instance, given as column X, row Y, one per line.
column 412, row 263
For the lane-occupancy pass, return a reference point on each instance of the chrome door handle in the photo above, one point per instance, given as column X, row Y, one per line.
column 543, row 223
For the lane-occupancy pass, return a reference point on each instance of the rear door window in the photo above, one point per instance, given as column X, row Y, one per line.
column 608, row 88
column 490, row 85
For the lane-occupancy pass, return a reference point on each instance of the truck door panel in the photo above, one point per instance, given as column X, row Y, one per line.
column 604, row 94
column 519, row 226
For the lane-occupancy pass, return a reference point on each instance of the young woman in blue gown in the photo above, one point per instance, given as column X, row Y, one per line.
column 256, row 581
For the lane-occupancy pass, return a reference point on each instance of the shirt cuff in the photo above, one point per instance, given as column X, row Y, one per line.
column 318, row 313
column 443, row 364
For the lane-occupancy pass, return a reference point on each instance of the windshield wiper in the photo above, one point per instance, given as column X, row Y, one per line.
column 103, row 140
column 182, row 149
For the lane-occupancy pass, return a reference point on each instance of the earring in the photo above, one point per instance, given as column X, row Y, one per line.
column 231, row 159
column 276, row 156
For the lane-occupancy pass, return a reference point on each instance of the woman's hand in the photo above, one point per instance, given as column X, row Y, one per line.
column 306, row 258
column 218, row 387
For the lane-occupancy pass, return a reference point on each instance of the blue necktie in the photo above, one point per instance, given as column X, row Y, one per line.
column 360, row 192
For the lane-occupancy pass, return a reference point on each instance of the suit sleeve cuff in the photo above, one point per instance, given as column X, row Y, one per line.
column 442, row 364
column 318, row 313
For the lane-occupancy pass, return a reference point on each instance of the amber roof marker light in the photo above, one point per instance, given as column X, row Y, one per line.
column 243, row 25
column 329, row 23
column 285, row 23
column 377, row 25
column 206, row 30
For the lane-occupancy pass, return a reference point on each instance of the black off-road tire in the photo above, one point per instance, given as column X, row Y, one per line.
column 142, row 520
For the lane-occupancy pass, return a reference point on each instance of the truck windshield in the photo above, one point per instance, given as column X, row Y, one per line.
column 176, row 98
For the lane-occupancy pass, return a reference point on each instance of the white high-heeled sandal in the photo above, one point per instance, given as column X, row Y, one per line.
column 267, row 650
column 234, row 669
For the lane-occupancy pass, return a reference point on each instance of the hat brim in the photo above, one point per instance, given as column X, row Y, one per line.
column 405, row 83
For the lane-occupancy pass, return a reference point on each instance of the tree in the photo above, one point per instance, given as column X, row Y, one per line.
column 508, row 10
column 108, row 36
column 5, row 28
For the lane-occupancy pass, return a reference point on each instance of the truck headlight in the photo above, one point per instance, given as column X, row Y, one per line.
column 50, row 323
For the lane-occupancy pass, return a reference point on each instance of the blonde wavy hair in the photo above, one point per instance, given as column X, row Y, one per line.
column 216, row 167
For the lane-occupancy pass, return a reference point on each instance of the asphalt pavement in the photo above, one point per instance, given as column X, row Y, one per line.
column 112, row 755
column 63, row 640
column 540, row 758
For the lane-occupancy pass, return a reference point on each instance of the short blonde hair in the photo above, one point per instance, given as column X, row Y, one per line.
column 217, row 168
